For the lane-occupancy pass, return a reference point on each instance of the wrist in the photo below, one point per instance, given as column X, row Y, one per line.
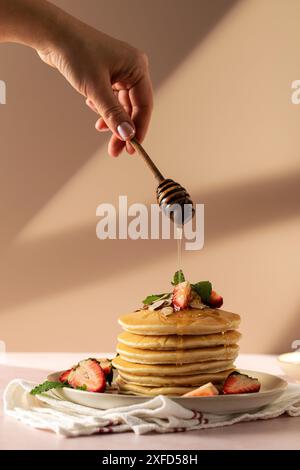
column 60, row 35
column 35, row 23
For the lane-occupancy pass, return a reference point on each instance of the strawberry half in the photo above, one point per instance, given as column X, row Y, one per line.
column 207, row 390
column 88, row 373
column 64, row 375
column 181, row 295
column 106, row 366
column 240, row 383
column 215, row 300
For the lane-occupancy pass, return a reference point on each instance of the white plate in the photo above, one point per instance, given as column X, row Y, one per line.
column 271, row 388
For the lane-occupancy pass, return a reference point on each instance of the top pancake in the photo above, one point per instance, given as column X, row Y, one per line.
column 184, row 322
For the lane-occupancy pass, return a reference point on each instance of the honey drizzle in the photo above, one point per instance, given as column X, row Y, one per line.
column 183, row 319
column 179, row 232
column 179, row 338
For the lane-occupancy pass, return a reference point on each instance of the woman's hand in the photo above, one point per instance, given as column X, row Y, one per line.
column 112, row 75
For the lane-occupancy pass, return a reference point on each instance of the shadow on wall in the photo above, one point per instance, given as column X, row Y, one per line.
column 46, row 132
column 75, row 258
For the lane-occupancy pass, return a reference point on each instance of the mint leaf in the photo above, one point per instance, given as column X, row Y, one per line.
column 82, row 387
column 178, row 278
column 203, row 289
column 152, row 298
column 46, row 386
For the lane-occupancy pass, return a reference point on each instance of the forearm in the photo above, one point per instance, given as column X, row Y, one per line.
column 95, row 64
column 35, row 23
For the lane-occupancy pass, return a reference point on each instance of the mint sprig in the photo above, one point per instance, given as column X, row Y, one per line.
column 203, row 289
column 48, row 385
column 82, row 387
column 178, row 278
column 153, row 298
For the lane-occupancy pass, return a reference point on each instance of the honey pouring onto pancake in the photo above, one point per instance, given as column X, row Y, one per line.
column 181, row 343
column 177, row 343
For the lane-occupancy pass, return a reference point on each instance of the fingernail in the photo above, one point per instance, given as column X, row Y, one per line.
column 125, row 130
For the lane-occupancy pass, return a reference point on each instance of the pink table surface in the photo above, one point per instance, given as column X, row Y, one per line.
column 280, row 433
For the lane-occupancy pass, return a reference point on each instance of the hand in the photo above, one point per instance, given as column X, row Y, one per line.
column 112, row 75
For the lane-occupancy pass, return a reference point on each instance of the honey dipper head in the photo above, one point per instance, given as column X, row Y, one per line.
column 175, row 201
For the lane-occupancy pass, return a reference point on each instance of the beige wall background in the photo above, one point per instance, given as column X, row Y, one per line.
column 223, row 125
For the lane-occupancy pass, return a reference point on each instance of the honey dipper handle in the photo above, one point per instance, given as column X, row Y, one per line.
column 142, row 152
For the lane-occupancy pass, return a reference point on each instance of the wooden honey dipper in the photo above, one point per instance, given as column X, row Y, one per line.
column 168, row 193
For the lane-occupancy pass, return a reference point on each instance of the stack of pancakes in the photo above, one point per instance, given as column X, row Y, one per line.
column 174, row 354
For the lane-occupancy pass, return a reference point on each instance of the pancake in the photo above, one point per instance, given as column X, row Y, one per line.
column 172, row 342
column 184, row 322
column 179, row 356
column 170, row 369
column 132, row 389
column 185, row 380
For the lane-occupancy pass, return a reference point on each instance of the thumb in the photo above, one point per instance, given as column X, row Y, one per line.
column 113, row 113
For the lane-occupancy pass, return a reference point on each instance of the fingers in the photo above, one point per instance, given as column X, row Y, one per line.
column 101, row 125
column 141, row 98
column 112, row 112
column 129, row 148
column 124, row 100
column 115, row 110
column 115, row 146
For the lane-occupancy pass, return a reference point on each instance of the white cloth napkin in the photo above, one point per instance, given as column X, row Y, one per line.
column 159, row 414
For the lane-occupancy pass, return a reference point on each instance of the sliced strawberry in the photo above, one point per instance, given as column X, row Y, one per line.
column 64, row 375
column 195, row 301
column 240, row 383
column 89, row 374
column 207, row 390
column 106, row 366
column 181, row 295
column 215, row 300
